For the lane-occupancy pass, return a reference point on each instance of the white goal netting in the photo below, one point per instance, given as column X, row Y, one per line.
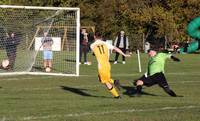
column 39, row 40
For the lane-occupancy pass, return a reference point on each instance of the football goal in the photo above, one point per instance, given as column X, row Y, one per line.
column 39, row 40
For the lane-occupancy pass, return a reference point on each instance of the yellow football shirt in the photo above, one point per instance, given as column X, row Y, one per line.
column 101, row 50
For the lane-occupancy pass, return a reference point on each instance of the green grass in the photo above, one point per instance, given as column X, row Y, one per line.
column 63, row 62
column 52, row 98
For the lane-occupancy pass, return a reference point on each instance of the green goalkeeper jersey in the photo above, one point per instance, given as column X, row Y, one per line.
column 156, row 64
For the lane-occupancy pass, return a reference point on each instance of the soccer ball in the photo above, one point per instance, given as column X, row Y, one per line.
column 5, row 63
column 47, row 69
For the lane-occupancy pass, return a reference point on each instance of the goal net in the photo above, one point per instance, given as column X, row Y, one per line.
column 39, row 40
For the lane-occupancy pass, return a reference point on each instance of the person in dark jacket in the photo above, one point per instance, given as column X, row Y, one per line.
column 11, row 48
column 122, row 43
column 83, row 45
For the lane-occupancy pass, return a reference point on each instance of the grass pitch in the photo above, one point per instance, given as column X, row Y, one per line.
column 52, row 98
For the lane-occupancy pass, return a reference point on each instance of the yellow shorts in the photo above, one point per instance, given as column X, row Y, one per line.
column 104, row 74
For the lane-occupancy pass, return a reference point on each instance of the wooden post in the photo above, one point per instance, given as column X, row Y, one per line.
column 93, row 29
column 64, row 38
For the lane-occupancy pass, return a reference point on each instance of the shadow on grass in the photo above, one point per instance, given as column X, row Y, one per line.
column 111, row 61
column 197, row 52
column 131, row 91
column 70, row 60
column 53, row 70
column 39, row 68
column 80, row 91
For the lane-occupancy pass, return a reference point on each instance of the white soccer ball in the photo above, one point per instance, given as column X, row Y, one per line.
column 47, row 69
column 5, row 63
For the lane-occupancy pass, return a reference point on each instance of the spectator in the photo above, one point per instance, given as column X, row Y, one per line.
column 146, row 46
column 47, row 43
column 83, row 45
column 11, row 47
column 186, row 45
column 122, row 43
column 175, row 47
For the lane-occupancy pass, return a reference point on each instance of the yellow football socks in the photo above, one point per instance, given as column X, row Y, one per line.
column 114, row 92
column 112, row 81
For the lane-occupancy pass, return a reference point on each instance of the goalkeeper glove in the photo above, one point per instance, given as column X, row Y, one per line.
column 175, row 59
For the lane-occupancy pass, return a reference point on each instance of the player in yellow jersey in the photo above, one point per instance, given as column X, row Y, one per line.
column 101, row 50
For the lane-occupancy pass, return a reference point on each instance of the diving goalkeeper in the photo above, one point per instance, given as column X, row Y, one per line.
column 155, row 72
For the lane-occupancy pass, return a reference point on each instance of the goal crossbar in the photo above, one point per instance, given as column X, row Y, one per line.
column 37, row 7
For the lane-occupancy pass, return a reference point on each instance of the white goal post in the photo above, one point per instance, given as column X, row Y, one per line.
column 36, row 38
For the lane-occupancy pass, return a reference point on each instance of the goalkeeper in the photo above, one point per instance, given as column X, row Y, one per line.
column 155, row 72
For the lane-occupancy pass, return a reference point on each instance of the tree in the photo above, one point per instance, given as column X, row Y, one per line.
column 133, row 16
